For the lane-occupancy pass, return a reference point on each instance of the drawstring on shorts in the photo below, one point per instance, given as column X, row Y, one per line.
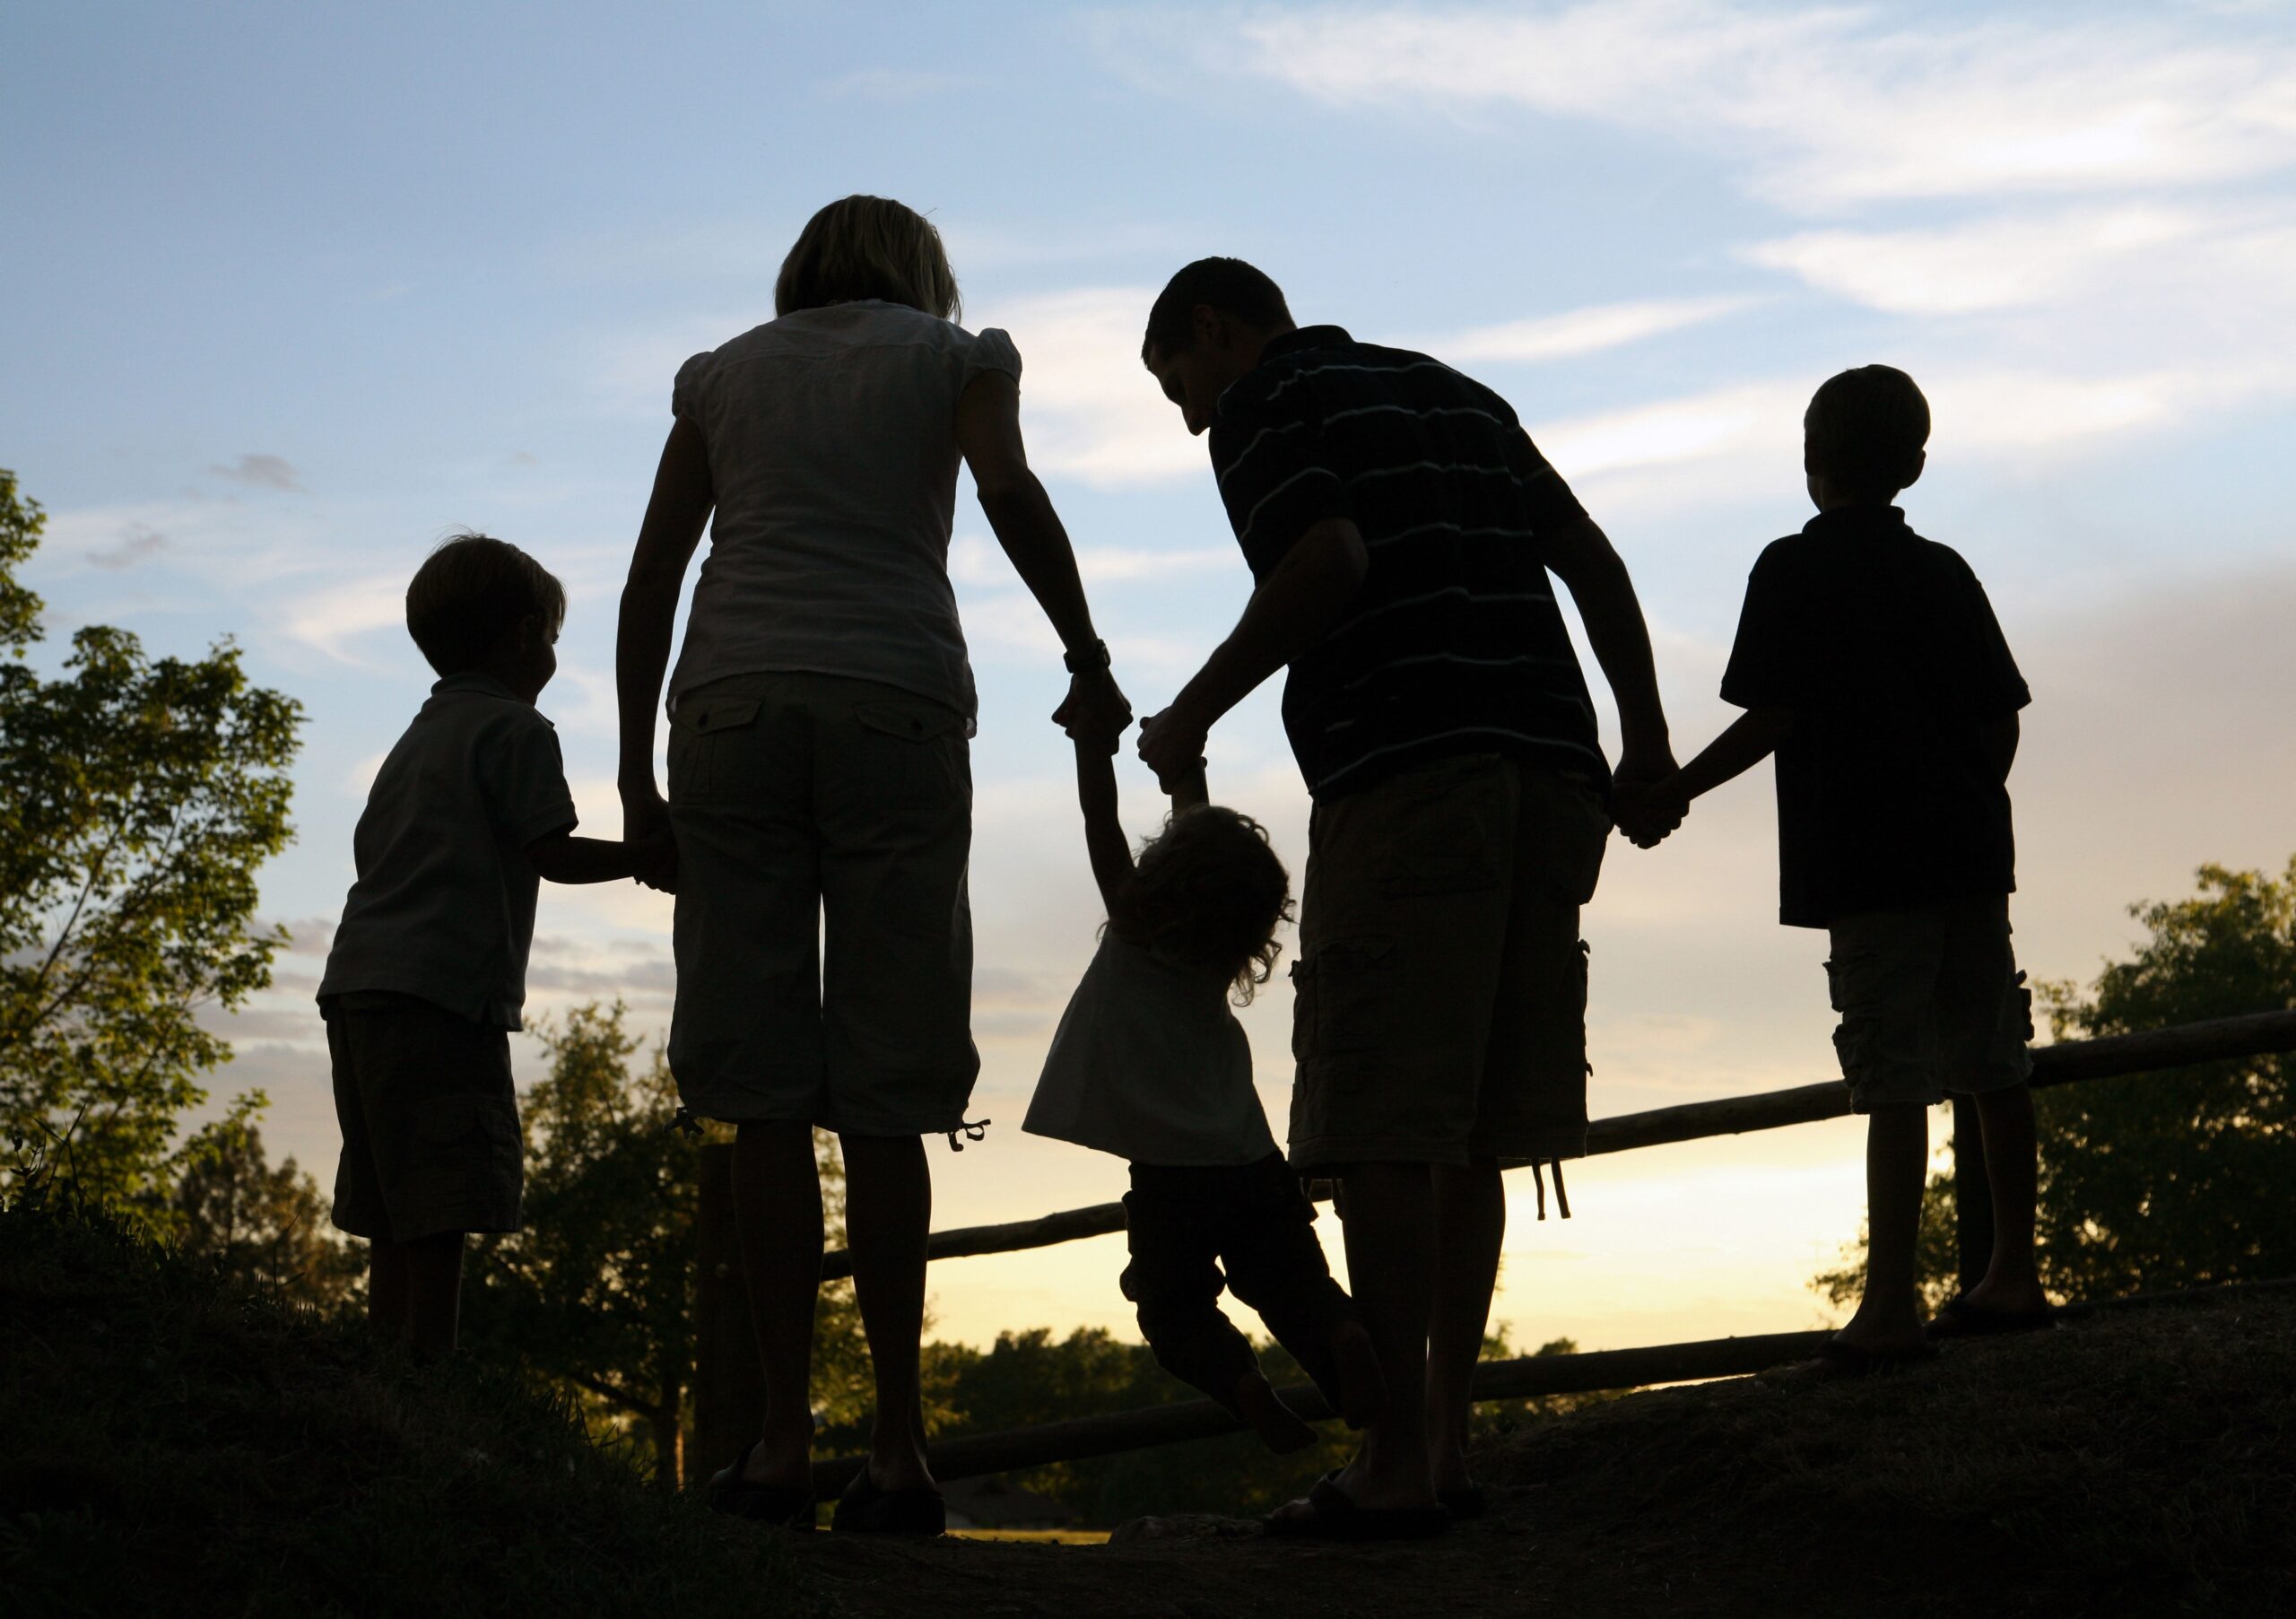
column 685, row 1121
column 970, row 1129
column 1562, row 1198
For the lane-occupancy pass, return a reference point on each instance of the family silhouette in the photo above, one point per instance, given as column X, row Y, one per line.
column 1404, row 535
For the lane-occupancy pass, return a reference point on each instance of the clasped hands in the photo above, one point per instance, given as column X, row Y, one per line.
column 1646, row 799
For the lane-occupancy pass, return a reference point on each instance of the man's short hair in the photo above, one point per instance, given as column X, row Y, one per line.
column 1229, row 285
column 1865, row 431
column 470, row 593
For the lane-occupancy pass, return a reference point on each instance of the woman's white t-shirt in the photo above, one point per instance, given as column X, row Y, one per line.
column 1151, row 1065
column 833, row 455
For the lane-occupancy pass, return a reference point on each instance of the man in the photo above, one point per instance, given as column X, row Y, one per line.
column 1400, row 526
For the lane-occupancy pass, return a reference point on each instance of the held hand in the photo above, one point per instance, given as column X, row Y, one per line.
column 1171, row 744
column 1095, row 710
column 646, row 827
column 1648, row 811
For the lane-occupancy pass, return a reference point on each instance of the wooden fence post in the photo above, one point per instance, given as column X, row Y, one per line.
column 1972, row 1195
column 728, row 1387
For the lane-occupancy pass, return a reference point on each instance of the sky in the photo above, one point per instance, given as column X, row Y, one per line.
column 290, row 291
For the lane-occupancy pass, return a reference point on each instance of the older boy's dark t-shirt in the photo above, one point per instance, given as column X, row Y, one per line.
column 1884, row 646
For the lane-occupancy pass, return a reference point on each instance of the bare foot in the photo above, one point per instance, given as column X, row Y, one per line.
column 1362, row 1388
column 1279, row 1427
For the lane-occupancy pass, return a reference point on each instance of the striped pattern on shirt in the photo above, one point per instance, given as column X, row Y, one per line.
column 1454, row 643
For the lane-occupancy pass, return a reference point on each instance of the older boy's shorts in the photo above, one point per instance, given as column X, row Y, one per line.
column 430, row 1120
column 1441, row 1011
column 824, row 932
column 1931, row 1001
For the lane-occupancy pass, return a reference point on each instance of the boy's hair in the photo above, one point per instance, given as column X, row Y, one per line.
column 868, row 247
column 470, row 593
column 1229, row 285
column 1208, row 891
column 1865, row 431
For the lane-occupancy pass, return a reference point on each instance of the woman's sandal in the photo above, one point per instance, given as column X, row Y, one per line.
column 1959, row 1318
column 783, row 1506
column 865, row 1508
column 1333, row 1514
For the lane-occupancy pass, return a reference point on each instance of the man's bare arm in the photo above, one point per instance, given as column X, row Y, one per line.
column 1580, row 554
column 1294, row 607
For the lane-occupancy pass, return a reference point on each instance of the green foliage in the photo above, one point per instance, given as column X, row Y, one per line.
column 595, row 1295
column 137, row 797
column 1936, row 1253
column 2178, row 1181
column 262, row 1228
column 2158, row 1182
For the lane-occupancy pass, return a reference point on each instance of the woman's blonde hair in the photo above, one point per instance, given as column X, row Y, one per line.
column 867, row 247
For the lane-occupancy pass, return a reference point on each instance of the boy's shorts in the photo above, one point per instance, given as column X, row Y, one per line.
column 1931, row 1001
column 430, row 1120
column 825, row 931
column 1441, row 1012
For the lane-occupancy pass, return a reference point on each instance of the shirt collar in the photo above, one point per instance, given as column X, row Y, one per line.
column 471, row 680
column 1849, row 521
column 1303, row 338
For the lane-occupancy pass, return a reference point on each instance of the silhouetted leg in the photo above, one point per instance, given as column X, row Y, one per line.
column 1390, row 1261
column 1276, row 1264
column 386, row 1291
column 434, row 1294
column 777, row 1209
column 1174, row 1283
column 888, row 1213
column 2012, row 1284
column 1897, row 1157
column 1470, row 1227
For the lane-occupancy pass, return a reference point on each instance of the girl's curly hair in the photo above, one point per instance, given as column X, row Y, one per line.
column 1208, row 891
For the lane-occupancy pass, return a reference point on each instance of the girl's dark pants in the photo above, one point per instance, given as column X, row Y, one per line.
column 1183, row 1225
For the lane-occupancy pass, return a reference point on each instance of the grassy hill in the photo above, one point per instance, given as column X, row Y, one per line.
column 170, row 1445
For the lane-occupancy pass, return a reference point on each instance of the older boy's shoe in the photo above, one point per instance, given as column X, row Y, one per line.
column 865, row 1508
column 1957, row 1317
column 784, row 1506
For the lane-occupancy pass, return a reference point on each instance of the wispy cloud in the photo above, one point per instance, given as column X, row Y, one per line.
column 1577, row 332
column 1828, row 106
column 1091, row 410
column 263, row 472
column 330, row 621
column 139, row 541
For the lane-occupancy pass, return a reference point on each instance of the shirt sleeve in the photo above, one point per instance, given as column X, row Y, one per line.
column 685, row 392
column 523, row 776
column 1767, row 668
column 991, row 349
column 1551, row 503
column 1275, row 476
column 1997, row 687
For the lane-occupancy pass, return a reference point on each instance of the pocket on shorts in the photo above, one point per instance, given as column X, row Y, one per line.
column 1341, row 999
column 924, row 769
column 1581, row 833
column 1442, row 831
column 700, row 737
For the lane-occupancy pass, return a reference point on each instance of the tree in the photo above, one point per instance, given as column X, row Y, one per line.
column 137, row 797
column 597, row 1294
column 2180, row 1180
column 264, row 1227
column 2159, row 1181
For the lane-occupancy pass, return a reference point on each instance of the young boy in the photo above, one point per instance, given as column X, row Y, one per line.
column 1868, row 660
column 427, row 971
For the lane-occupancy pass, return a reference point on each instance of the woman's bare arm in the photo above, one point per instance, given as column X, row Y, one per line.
column 675, row 516
column 988, row 435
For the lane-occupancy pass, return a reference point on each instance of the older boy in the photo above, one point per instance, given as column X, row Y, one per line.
column 1869, row 661
column 427, row 974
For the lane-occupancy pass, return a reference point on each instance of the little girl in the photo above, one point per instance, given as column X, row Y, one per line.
column 1151, row 1065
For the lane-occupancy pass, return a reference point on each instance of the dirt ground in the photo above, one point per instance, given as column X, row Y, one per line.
column 2135, row 1465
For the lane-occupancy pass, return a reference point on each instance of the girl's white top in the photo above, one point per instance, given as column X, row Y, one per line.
column 1150, row 1064
column 833, row 456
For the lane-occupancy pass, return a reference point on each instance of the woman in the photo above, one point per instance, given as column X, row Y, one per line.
column 820, row 788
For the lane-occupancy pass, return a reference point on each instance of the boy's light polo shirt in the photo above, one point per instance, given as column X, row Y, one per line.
column 444, row 905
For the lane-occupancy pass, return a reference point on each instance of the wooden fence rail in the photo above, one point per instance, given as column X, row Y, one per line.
column 1594, row 1372
column 2110, row 1057
column 727, row 1399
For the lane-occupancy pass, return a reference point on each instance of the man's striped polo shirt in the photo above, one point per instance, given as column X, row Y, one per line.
column 1453, row 644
